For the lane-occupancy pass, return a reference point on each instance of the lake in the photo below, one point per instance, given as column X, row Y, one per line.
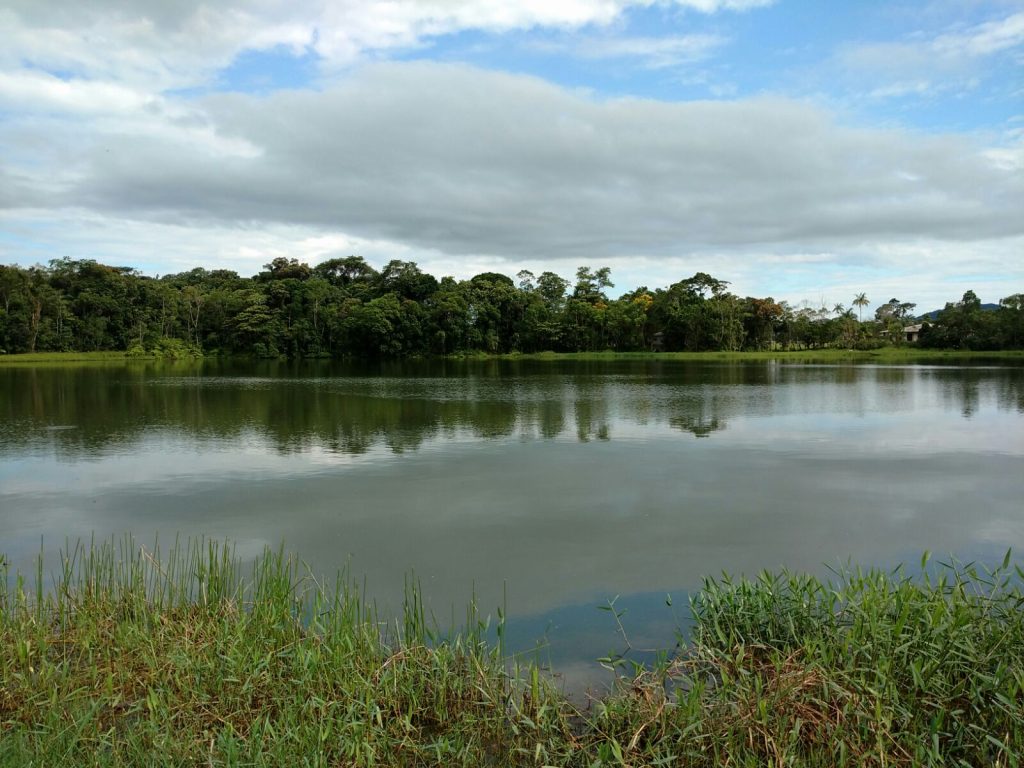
column 548, row 486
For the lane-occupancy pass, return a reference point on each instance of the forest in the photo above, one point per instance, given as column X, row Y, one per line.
column 344, row 307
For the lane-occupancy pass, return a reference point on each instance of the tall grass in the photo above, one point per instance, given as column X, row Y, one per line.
column 882, row 668
column 131, row 656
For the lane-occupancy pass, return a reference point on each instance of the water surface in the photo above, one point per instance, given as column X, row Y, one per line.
column 553, row 485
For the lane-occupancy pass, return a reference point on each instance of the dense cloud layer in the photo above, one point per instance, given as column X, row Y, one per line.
column 176, row 43
column 467, row 161
column 110, row 149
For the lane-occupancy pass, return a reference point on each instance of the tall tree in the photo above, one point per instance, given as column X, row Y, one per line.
column 860, row 301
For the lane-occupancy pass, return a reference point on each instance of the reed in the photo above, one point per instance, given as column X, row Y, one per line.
column 135, row 656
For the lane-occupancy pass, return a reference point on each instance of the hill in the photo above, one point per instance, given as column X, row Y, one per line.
column 989, row 307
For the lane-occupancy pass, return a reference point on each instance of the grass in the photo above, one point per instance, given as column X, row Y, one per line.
column 165, row 351
column 881, row 355
column 70, row 357
column 133, row 657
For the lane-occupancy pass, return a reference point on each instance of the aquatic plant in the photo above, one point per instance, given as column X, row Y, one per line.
column 132, row 656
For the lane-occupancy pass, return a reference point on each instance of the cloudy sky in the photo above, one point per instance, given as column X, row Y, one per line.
column 798, row 149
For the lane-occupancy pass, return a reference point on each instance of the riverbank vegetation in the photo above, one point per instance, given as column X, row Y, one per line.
column 344, row 307
column 881, row 355
column 130, row 657
column 900, row 354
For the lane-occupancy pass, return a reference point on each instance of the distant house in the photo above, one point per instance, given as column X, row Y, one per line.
column 658, row 342
column 912, row 332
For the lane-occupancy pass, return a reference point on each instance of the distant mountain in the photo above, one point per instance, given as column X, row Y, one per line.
column 935, row 312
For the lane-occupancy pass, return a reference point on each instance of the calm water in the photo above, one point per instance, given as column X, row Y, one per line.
column 561, row 484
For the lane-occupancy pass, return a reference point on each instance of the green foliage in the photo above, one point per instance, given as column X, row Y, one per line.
column 344, row 307
column 894, row 310
column 966, row 325
column 176, row 349
column 881, row 667
column 136, row 656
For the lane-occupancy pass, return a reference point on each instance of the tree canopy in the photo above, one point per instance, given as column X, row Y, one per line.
column 345, row 307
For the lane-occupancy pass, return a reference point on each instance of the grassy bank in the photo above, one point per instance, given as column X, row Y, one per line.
column 133, row 658
column 70, row 357
column 167, row 352
column 883, row 355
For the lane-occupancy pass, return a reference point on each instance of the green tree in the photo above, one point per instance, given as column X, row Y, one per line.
column 590, row 284
column 192, row 300
column 1010, row 318
column 351, row 273
column 760, row 318
column 407, row 281
column 963, row 325
column 282, row 268
column 496, row 310
column 860, row 301
column 894, row 309
column 374, row 328
column 319, row 294
column 552, row 290
column 256, row 327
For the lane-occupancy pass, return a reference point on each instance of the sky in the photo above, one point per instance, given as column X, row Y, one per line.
column 798, row 149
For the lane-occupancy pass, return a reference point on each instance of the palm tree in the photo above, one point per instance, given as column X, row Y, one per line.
column 838, row 309
column 860, row 301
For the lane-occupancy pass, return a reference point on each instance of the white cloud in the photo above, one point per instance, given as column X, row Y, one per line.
column 654, row 52
column 28, row 90
column 1007, row 158
column 983, row 39
column 163, row 45
column 923, row 64
column 467, row 162
column 901, row 89
column 466, row 171
column 35, row 236
column 927, row 272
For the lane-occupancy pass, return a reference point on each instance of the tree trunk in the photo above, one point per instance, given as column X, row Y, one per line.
column 37, row 313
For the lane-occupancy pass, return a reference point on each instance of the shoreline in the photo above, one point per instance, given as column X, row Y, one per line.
column 882, row 355
column 137, row 657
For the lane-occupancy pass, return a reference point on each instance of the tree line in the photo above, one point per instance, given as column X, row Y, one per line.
column 345, row 307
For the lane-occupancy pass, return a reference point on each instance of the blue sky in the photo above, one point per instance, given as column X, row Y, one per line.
column 803, row 150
